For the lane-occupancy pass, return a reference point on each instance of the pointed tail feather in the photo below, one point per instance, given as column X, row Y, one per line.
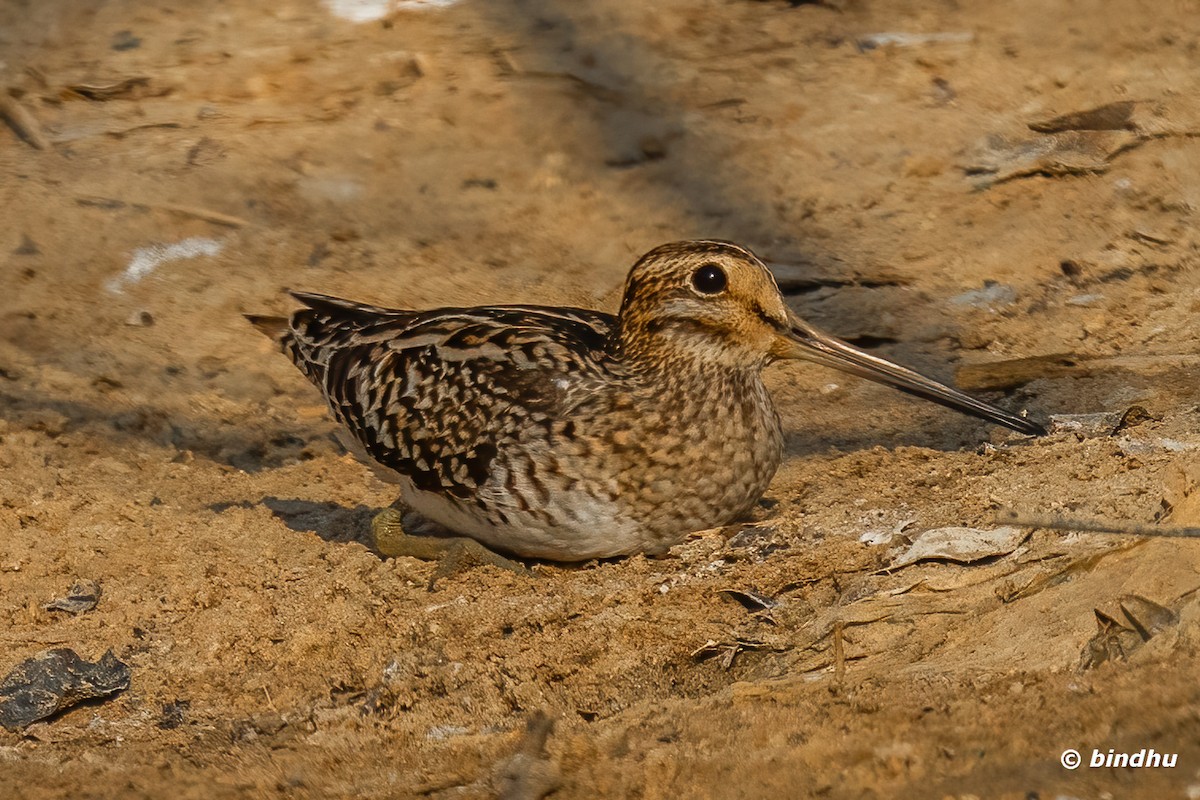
column 339, row 308
column 281, row 331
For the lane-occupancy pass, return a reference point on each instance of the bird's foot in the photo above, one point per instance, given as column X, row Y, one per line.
column 453, row 554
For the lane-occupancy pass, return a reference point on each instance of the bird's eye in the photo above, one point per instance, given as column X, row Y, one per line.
column 709, row 279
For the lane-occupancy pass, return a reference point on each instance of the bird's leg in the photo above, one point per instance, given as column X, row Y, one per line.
column 453, row 553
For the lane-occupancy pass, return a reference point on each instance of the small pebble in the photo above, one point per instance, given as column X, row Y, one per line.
column 991, row 295
column 82, row 596
column 1089, row 426
column 28, row 247
column 125, row 40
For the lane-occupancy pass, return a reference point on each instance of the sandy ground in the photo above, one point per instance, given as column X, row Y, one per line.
column 507, row 151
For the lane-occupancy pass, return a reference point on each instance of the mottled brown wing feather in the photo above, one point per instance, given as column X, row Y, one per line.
column 433, row 394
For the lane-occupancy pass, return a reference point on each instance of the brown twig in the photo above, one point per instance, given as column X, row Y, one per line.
column 839, row 652
column 24, row 124
column 1010, row 517
column 215, row 217
column 207, row 215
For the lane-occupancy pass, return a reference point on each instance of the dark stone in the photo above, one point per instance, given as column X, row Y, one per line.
column 53, row 681
column 27, row 247
column 125, row 40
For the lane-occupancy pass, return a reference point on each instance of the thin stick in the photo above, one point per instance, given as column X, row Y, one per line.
column 839, row 652
column 1010, row 517
column 21, row 121
column 203, row 214
column 215, row 217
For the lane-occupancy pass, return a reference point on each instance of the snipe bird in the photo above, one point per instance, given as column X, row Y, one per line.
column 568, row 434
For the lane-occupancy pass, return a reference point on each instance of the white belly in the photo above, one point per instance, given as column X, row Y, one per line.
column 584, row 527
column 593, row 528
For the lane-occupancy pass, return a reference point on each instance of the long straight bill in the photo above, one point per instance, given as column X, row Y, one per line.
column 814, row 345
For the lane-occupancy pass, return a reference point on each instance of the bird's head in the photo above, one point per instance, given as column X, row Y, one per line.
column 714, row 303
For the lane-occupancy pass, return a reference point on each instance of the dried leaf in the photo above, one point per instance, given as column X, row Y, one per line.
column 1146, row 616
column 751, row 600
column 1109, row 117
column 1147, row 118
column 1014, row 372
column 1125, row 628
column 961, row 545
column 129, row 88
column 1067, row 153
column 1082, row 141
